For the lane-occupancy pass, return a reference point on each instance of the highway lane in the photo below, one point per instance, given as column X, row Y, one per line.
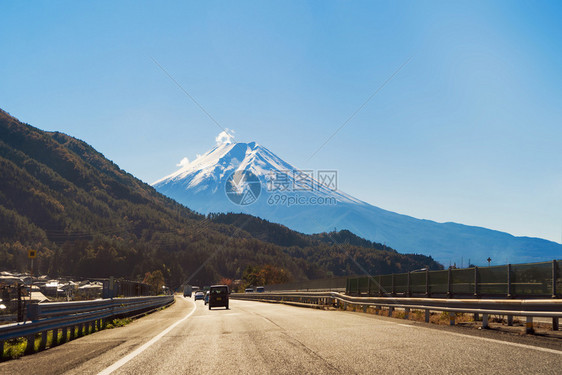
column 258, row 338
column 92, row 353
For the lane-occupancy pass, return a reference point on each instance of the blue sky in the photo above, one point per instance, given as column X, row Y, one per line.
column 468, row 131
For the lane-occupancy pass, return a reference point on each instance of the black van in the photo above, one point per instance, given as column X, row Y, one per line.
column 218, row 296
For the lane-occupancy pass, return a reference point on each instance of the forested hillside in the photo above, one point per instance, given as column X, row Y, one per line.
column 87, row 217
column 338, row 252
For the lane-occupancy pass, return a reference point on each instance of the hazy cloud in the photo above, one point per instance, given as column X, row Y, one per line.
column 225, row 137
column 183, row 162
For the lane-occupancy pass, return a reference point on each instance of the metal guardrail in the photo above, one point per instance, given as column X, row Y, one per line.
column 75, row 318
column 530, row 280
column 334, row 284
column 528, row 308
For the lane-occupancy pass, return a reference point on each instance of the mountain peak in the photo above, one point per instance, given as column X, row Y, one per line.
column 313, row 204
column 225, row 159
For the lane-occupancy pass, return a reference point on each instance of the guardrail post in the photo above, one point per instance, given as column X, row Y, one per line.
column 509, row 281
column 30, row 345
column 476, row 282
column 476, row 317
column 55, row 342
column 554, row 275
column 452, row 317
column 485, row 324
column 43, row 343
column 449, row 280
column 64, row 335
column 510, row 320
column 427, row 293
column 529, row 325
column 390, row 310
column 427, row 315
column 407, row 313
column 555, row 325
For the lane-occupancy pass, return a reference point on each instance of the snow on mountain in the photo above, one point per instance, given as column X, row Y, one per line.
column 209, row 172
column 264, row 185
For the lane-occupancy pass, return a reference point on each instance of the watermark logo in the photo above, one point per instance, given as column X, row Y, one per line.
column 290, row 187
column 289, row 200
column 243, row 188
column 285, row 187
column 328, row 179
column 301, row 180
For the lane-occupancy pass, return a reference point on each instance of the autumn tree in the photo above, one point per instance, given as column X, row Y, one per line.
column 226, row 281
column 265, row 275
column 155, row 279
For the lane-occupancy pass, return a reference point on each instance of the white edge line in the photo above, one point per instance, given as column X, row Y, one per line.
column 539, row 348
column 142, row 348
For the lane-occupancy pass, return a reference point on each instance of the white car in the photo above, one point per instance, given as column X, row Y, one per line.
column 199, row 295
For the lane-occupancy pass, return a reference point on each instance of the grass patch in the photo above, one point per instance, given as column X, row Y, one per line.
column 119, row 322
column 441, row 318
column 14, row 348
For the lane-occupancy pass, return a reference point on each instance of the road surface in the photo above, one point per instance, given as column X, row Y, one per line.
column 261, row 338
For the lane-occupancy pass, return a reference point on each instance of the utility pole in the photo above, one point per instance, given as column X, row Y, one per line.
column 31, row 254
column 20, row 309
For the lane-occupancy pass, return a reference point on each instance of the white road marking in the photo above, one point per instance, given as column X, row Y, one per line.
column 495, row 341
column 141, row 349
column 547, row 350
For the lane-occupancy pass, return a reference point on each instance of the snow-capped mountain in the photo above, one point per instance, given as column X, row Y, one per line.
column 209, row 173
column 248, row 178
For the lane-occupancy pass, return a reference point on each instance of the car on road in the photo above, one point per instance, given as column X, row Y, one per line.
column 248, row 290
column 206, row 298
column 218, row 296
column 260, row 289
column 199, row 295
column 187, row 290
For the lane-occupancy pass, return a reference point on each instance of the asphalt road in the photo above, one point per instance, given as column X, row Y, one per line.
column 260, row 338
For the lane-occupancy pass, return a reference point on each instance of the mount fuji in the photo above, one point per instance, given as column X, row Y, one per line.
column 248, row 178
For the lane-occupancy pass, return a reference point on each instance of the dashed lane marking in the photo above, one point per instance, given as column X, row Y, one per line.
column 142, row 348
